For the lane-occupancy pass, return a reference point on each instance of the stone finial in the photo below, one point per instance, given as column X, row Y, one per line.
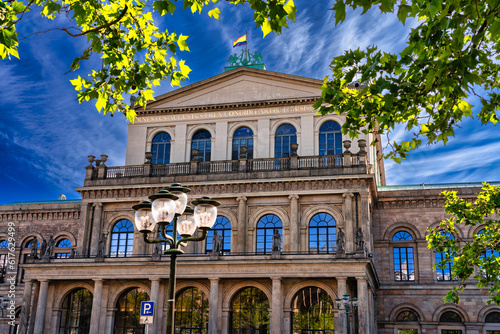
column 148, row 156
column 243, row 152
column 194, row 154
column 294, row 148
column 362, row 146
column 347, row 146
column 104, row 158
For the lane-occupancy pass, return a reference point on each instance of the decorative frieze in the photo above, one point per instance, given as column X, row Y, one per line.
column 406, row 203
column 40, row 215
column 235, row 188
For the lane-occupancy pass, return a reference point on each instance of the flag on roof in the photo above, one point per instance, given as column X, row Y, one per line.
column 240, row 41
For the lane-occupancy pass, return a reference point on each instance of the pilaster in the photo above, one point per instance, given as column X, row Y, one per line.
column 276, row 308
column 96, row 307
column 294, row 223
column 96, row 228
column 341, row 290
column 363, row 310
column 213, row 306
column 26, row 307
column 349, row 228
column 242, row 225
column 42, row 305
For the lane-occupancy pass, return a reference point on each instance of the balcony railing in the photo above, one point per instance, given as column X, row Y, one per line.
column 334, row 162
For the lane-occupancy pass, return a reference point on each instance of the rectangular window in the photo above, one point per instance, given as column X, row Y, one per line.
column 408, row 331
column 492, row 332
column 403, row 264
column 451, row 331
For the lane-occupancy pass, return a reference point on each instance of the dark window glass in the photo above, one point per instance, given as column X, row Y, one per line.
column 285, row 136
column 408, row 331
column 128, row 310
column 407, row 316
column 161, row 148
column 122, row 239
column 223, row 227
column 265, row 230
column 75, row 312
column 403, row 264
column 249, row 313
column 203, row 143
column 330, row 138
column 492, row 332
column 322, row 233
column 493, row 317
column 450, row 316
column 191, row 312
column 402, row 236
column 451, row 331
column 3, row 267
column 64, row 243
column 444, row 270
column 242, row 137
column 312, row 311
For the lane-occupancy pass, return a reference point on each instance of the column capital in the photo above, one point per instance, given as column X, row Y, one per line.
column 28, row 281
column 348, row 195
column 361, row 278
column 155, row 279
column 293, row 196
column 214, row 280
column 98, row 280
column 241, row 198
column 341, row 278
column 98, row 204
column 276, row 278
column 43, row 280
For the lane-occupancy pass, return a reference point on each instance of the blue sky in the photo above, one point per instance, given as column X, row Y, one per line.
column 46, row 136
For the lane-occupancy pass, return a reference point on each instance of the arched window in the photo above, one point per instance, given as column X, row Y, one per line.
column 330, row 138
column 265, row 229
column 312, row 311
column 444, row 270
column 4, row 246
column 128, row 311
column 122, row 239
column 404, row 322
column 75, row 312
column 493, row 317
column 285, row 136
column 322, row 233
column 161, row 148
column 407, row 316
column 492, row 323
column 223, row 228
column 404, row 266
column 191, row 311
column 451, row 317
column 242, row 137
column 64, row 243
column 28, row 243
column 203, row 143
column 249, row 312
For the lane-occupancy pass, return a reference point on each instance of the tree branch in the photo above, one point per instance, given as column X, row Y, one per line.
column 104, row 26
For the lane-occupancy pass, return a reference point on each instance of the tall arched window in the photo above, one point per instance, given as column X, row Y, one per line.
column 249, row 312
column 453, row 320
column 322, row 233
column 492, row 323
column 404, row 266
column 265, row 229
column 65, row 250
column 223, row 228
column 330, row 138
column 285, row 136
column 203, row 143
column 4, row 246
column 75, row 312
column 128, row 311
column 444, row 270
column 312, row 311
column 161, row 148
column 122, row 239
column 242, row 137
column 191, row 311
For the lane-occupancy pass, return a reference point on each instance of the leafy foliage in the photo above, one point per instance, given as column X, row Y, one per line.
column 478, row 258
column 135, row 54
column 452, row 54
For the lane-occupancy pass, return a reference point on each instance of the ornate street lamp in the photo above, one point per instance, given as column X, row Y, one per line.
column 349, row 306
column 170, row 206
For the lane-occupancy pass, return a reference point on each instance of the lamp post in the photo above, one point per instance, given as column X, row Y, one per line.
column 170, row 206
column 349, row 305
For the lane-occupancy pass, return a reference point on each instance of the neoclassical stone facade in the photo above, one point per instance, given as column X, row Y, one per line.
column 250, row 139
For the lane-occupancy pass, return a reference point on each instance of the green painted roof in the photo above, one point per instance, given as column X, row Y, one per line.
column 435, row 186
column 44, row 202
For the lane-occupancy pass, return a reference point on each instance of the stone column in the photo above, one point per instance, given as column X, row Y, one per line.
column 56, row 319
column 96, row 307
column 348, row 224
column 96, row 228
column 84, row 230
column 155, row 294
column 294, row 223
column 363, row 311
column 34, row 302
column 341, row 290
column 365, row 221
column 242, row 224
column 213, row 306
column 42, row 305
column 276, row 308
column 23, row 322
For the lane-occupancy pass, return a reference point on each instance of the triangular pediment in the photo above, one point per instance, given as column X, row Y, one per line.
column 240, row 85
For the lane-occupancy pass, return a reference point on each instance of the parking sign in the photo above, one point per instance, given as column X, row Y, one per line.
column 147, row 312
